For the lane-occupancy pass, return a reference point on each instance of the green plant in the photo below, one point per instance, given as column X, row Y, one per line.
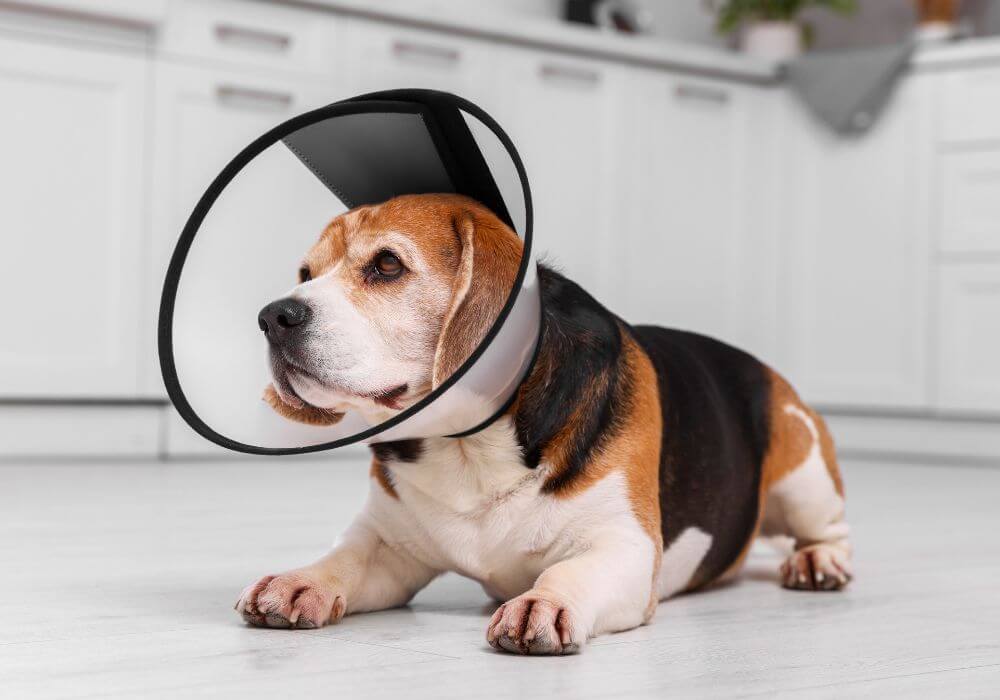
column 730, row 14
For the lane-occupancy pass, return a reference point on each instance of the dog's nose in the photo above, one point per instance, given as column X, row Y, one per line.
column 281, row 316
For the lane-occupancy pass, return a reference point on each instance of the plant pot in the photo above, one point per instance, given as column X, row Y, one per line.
column 774, row 41
column 938, row 19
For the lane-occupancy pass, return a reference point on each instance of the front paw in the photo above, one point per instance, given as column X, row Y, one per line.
column 536, row 622
column 295, row 600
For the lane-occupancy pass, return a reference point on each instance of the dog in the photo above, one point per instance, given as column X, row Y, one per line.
column 634, row 463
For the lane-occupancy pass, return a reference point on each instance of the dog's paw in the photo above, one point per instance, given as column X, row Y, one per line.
column 536, row 622
column 295, row 600
column 818, row 567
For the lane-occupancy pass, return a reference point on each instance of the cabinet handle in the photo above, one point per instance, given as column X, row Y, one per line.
column 442, row 54
column 252, row 38
column 268, row 99
column 581, row 76
column 701, row 93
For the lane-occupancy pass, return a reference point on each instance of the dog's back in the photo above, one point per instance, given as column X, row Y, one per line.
column 714, row 400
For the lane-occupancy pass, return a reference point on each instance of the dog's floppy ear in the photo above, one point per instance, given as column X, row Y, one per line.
column 491, row 255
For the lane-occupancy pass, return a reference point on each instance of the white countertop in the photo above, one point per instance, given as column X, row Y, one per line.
column 539, row 32
column 144, row 13
column 563, row 36
column 959, row 53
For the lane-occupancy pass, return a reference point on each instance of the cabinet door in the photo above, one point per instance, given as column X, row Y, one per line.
column 71, row 139
column 562, row 115
column 855, row 257
column 969, row 338
column 695, row 256
column 203, row 118
column 970, row 200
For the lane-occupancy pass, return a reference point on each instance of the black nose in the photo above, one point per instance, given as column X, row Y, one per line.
column 279, row 317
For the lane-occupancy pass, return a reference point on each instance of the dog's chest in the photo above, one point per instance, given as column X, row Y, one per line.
column 472, row 506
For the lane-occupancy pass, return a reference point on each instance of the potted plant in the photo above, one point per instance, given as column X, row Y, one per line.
column 938, row 19
column 770, row 28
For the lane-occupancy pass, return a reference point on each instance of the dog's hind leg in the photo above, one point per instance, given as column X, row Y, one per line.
column 804, row 495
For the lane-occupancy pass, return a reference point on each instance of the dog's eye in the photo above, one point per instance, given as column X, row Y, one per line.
column 304, row 274
column 387, row 265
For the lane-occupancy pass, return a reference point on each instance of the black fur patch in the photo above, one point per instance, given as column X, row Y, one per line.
column 577, row 376
column 715, row 403
column 716, row 430
column 398, row 451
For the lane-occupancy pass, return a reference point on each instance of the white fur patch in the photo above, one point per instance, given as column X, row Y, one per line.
column 681, row 559
column 807, row 498
column 471, row 506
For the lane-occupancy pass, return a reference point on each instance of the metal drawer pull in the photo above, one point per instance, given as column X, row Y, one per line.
column 584, row 76
column 234, row 94
column 252, row 38
column 702, row 93
column 443, row 54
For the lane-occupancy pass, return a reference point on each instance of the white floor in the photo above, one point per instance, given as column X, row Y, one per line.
column 119, row 580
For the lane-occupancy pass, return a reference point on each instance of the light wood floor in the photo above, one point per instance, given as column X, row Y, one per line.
column 118, row 580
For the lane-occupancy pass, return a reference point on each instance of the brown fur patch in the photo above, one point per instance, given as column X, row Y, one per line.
column 789, row 445
column 791, row 439
column 828, row 450
column 464, row 247
column 490, row 258
column 381, row 474
column 635, row 450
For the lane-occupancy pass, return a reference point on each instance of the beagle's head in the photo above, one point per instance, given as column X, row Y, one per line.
column 391, row 300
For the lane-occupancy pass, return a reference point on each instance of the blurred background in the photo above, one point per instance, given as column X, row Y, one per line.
column 817, row 182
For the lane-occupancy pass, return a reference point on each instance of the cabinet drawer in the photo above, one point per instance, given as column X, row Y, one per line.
column 970, row 201
column 251, row 33
column 968, row 376
column 971, row 105
column 387, row 57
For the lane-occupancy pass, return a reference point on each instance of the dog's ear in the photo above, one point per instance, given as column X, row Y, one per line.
column 310, row 415
column 490, row 258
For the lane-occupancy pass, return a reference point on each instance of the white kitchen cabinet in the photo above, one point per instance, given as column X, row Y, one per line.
column 970, row 105
column 968, row 338
column 203, row 117
column 257, row 35
column 692, row 252
column 387, row 57
column 853, row 283
column 72, row 186
column 563, row 115
column 970, row 200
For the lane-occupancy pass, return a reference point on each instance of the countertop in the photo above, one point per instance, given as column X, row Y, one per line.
column 562, row 36
column 538, row 32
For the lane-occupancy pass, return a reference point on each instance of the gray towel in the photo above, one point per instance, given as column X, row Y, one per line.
column 847, row 90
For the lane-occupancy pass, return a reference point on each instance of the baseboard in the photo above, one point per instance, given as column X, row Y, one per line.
column 916, row 438
column 182, row 442
column 153, row 431
column 81, row 430
column 113, row 429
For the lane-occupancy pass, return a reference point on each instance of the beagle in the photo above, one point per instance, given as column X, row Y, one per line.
column 635, row 462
